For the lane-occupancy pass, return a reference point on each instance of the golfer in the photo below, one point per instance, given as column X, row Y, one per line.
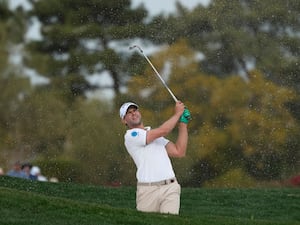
column 157, row 187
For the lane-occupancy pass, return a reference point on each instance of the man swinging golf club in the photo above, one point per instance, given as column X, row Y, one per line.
column 157, row 187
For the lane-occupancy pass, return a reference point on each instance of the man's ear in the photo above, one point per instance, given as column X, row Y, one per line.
column 124, row 122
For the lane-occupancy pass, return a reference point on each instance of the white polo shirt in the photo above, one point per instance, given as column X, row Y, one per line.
column 152, row 160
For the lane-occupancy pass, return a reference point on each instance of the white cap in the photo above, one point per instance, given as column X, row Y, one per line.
column 35, row 171
column 124, row 108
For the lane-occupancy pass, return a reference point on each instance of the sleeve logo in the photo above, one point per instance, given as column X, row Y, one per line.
column 134, row 133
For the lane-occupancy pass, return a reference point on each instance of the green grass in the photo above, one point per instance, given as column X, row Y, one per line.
column 26, row 202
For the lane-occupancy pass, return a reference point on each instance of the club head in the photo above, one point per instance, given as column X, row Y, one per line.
column 135, row 46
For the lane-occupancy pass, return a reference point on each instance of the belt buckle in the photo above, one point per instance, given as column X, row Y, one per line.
column 169, row 181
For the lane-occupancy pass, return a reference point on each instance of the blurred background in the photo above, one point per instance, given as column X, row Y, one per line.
column 66, row 68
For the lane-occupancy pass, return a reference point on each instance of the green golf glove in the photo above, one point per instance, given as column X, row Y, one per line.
column 185, row 117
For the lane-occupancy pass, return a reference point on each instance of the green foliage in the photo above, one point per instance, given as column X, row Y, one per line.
column 240, row 124
column 96, row 138
column 234, row 178
column 63, row 170
column 77, row 37
column 13, row 89
column 4, row 10
column 238, row 35
column 42, row 119
column 14, row 24
column 81, row 143
column 235, row 123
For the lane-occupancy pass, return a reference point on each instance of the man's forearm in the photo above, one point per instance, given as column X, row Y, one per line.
column 169, row 125
column 182, row 140
column 163, row 130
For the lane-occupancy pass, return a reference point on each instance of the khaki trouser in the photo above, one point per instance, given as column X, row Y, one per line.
column 159, row 198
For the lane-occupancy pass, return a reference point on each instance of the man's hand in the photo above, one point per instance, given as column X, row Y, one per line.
column 179, row 108
column 186, row 116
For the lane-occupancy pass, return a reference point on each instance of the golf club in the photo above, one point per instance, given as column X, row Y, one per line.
column 157, row 73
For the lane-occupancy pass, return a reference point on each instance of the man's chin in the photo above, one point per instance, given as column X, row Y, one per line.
column 136, row 123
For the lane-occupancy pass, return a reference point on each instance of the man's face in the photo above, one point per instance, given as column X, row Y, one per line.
column 17, row 167
column 26, row 169
column 133, row 117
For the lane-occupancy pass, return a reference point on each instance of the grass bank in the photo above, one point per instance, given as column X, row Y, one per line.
column 25, row 202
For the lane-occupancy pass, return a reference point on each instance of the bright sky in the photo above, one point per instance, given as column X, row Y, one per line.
column 158, row 6
column 153, row 6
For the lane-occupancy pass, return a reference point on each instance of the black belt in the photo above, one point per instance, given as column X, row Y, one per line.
column 157, row 183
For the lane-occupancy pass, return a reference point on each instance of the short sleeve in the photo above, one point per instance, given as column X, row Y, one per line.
column 135, row 137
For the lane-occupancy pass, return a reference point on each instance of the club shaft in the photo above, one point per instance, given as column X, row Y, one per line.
column 157, row 73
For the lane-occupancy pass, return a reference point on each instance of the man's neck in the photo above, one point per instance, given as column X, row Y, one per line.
column 141, row 126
